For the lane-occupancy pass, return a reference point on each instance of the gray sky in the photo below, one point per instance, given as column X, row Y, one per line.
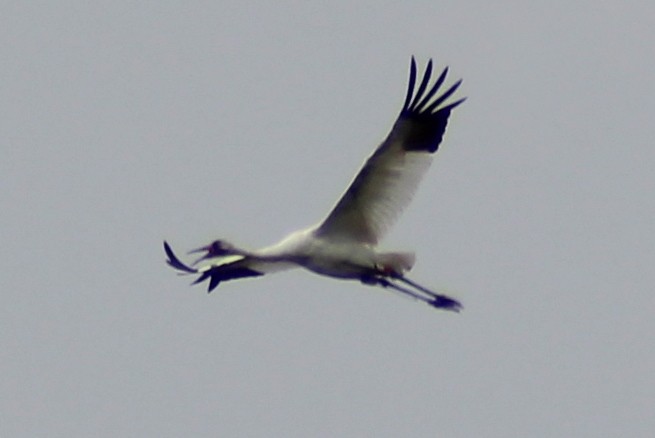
column 125, row 124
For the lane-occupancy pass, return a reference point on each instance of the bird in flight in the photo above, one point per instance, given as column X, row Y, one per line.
column 344, row 244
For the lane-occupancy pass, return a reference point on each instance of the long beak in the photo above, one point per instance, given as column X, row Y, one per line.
column 201, row 249
column 206, row 249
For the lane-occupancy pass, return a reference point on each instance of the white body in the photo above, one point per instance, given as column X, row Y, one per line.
column 340, row 259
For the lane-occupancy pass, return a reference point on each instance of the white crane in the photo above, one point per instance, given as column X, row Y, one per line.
column 344, row 244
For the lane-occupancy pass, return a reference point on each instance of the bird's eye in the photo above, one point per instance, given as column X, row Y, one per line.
column 218, row 248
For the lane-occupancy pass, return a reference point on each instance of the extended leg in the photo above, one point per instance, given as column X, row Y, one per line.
column 434, row 300
column 439, row 301
column 410, row 293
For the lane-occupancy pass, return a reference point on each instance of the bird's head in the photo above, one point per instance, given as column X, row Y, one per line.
column 218, row 248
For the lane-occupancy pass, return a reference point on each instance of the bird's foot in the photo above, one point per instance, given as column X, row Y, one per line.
column 446, row 303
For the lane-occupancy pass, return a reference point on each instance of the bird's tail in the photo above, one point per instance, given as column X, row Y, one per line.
column 396, row 262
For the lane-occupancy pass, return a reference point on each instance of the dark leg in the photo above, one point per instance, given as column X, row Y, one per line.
column 438, row 301
column 434, row 300
column 387, row 284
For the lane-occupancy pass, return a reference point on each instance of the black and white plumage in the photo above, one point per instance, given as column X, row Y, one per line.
column 344, row 244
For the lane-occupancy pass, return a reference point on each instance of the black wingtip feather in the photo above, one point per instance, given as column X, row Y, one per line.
column 443, row 97
column 450, row 106
column 440, row 80
column 175, row 262
column 415, row 103
column 422, row 86
column 217, row 274
column 410, row 85
column 214, row 280
column 421, row 122
column 204, row 276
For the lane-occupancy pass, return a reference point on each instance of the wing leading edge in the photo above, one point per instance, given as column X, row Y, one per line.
column 389, row 178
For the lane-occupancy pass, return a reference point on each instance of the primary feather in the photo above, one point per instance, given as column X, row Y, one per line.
column 389, row 178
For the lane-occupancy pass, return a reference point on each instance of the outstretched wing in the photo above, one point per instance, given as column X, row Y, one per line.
column 220, row 269
column 389, row 178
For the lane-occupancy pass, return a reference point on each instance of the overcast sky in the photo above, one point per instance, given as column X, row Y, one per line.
column 123, row 124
